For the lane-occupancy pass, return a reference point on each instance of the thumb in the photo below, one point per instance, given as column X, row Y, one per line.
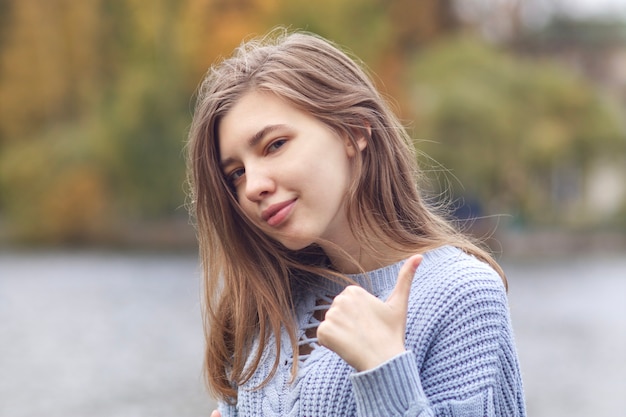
column 399, row 297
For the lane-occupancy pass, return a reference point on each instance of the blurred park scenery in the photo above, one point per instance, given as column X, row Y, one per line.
column 518, row 110
column 96, row 98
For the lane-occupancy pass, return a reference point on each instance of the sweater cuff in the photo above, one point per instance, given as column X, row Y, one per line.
column 391, row 389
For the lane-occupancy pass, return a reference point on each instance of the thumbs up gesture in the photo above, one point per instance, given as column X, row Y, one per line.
column 364, row 330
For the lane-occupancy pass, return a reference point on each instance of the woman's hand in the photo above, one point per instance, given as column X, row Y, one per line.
column 364, row 330
column 216, row 413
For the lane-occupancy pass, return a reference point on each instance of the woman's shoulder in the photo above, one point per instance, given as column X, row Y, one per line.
column 452, row 289
column 443, row 272
column 448, row 274
column 451, row 266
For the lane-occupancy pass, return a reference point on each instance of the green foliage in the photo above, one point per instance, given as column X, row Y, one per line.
column 96, row 97
column 361, row 24
column 510, row 131
column 143, row 126
column 54, row 189
column 75, row 173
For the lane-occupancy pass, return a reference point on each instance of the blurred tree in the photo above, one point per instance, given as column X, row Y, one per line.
column 144, row 112
column 54, row 189
column 96, row 96
column 209, row 29
column 5, row 13
column 49, row 64
column 103, row 78
column 383, row 33
column 517, row 135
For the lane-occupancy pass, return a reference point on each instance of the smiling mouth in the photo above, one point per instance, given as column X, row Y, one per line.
column 275, row 214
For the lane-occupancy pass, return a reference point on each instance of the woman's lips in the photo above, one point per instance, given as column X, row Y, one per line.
column 277, row 213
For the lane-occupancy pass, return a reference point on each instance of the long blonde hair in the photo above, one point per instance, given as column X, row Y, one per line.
column 247, row 275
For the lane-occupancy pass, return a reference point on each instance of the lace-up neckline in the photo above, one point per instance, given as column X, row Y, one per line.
column 308, row 340
column 317, row 297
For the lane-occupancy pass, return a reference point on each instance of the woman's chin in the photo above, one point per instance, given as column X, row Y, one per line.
column 295, row 244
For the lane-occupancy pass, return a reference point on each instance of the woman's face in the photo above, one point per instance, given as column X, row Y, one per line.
column 291, row 173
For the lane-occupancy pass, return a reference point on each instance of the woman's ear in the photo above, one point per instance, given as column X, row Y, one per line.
column 361, row 136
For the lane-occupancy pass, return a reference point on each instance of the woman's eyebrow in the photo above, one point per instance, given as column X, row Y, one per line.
column 255, row 139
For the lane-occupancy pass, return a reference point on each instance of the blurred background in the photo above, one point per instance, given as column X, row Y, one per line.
column 519, row 109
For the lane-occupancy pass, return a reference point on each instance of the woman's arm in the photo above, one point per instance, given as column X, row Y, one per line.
column 467, row 366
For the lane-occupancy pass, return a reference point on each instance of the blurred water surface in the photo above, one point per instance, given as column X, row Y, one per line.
column 100, row 334
column 109, row 334
column 569, row 316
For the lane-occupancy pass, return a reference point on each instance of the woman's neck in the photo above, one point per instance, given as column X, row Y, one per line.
column 352, row 257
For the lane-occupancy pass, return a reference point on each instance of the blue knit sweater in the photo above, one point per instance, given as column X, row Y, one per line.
column 460, row 360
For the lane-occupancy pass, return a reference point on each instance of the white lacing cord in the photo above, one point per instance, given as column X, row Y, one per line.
column 323, row 303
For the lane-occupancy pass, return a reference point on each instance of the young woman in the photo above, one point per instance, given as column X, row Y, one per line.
column 331, row 287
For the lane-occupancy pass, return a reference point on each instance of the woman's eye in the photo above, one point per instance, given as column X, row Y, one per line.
column 233, row 176
column 274, row 146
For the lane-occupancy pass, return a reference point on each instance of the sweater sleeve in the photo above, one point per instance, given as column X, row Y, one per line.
column 460, row 361
column 227, row 410
column 391, row 389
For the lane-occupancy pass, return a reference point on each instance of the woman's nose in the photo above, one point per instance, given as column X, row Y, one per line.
column 259, row 184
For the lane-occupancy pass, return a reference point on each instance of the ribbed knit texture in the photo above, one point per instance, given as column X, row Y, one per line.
column 460, row 361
